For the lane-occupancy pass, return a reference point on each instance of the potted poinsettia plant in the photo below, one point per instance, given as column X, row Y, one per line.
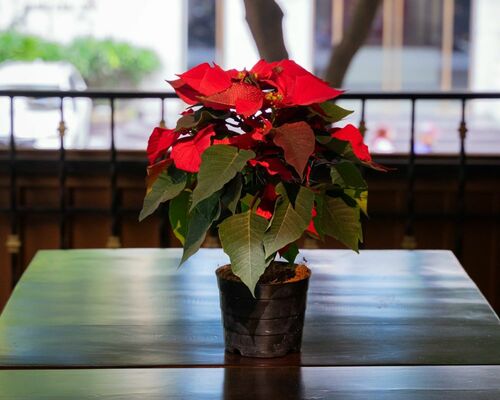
column 259, row 154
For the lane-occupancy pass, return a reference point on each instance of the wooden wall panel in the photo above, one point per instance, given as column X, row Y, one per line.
column 40, row 231
column 435, row 201
column 481, row 257
column 144, row 234
column 89, row 231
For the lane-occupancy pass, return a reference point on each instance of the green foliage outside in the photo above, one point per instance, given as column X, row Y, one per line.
column 101, row 62
column 15, row 46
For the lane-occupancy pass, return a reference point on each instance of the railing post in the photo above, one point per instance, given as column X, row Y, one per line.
column 63, row 236
column 162, row 110
column 13, row 242
column 114, row 239
column 163, row 229
column 409, row 242
column 460, row 210
column 362, row 130
column 362, row 122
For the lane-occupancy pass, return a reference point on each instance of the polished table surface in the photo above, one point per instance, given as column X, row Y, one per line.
column 352, row 383
column 413, row 312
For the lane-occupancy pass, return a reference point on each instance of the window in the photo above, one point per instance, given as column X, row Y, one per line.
column 461, row 40
column 201, row 32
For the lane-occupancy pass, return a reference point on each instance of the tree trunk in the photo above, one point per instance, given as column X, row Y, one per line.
column 353, row 38
column 265, row 19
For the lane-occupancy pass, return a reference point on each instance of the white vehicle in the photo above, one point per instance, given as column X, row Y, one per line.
column 36, row 120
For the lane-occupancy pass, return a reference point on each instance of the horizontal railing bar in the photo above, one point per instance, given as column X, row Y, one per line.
column 138, row 163
column 130, row 211
column 455, row 95
column 104, row 94
column 92, row 94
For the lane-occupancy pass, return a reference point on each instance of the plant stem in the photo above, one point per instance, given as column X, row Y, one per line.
column 254, row 200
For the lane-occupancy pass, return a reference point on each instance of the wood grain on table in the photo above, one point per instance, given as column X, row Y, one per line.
column 351, row 383
column 133, row 308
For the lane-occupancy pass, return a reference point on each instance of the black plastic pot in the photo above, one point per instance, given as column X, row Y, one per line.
column 269, row 325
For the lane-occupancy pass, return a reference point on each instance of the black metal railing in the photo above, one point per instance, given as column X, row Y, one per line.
column 115, row 210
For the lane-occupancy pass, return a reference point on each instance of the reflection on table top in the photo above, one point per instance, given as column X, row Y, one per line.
column 133, row 308
column 381, row 383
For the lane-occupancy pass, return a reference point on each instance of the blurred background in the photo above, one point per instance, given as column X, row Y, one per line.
column 82, row 85
column 433, row 45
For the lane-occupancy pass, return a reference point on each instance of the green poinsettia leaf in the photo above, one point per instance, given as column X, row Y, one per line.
column 220, row 164
column 203, row 115
column 281, row 190
column 331, row 112
column 289, row 222
column 232, row 193
column 344, row 149
column 199, row 118
column 297, row 141
column 291, row 253
column 347, row 175
column 339, row 220
column 167, row 186
column 246, row 201
column 360, row 197
column 187, row 121
column 323, row 139
column 178, row 214
column 200, row 220
column 349, row 178
column 341, row 147
column 241, row 236
column 317, row 220
column 304, row 203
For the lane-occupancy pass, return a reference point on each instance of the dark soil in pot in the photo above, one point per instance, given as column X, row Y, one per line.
column 269, row 325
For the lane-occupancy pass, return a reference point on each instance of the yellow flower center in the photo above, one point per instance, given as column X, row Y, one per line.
column 273, row 97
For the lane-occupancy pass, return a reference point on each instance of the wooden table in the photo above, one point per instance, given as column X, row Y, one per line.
column 126, row 323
